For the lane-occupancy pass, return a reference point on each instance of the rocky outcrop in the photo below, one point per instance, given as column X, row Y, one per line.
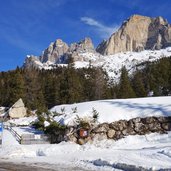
column 83, row 46
column 136, row 34
column 59, row 52
column 76, row 49
column 18, row 110
column 31, row 62
column 55, row 52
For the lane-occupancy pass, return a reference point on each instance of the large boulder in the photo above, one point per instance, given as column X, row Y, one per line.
column 18, row 110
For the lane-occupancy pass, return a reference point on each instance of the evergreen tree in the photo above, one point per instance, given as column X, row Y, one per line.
column 100, row 84
column 138, row 85
column 15, row 86
column 125, row 88
column 51, row 90
column 34, row 89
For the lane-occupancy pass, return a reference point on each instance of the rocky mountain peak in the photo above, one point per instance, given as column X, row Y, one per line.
column 59, row 42
column 137, row 18
column 54, row 52
column 77, row 49
column 84, row 45
column 58, row 52
column 138, row 33
column 161, row 21
column 31, row 61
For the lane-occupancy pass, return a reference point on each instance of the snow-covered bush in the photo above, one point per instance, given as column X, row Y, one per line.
column 84, row 122
column 63, row 110
column 39, row 124
column 74, row 110
column 88, row 122
column 95, row 114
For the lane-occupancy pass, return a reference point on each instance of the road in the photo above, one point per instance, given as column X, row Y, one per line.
column 9, row 166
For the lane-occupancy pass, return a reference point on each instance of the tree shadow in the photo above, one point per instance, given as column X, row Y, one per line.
column 31, row 130
column 165, row 110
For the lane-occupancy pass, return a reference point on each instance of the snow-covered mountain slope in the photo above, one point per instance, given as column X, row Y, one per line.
column 112, row 64
column 115, row 110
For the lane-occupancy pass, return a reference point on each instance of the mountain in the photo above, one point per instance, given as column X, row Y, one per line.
column 58, row 52
column 136, row 34
column 139, row 39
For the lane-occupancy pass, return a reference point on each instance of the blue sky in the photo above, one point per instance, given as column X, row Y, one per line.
column 28, row 26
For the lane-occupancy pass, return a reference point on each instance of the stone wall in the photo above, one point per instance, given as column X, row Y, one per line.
column 120, row 129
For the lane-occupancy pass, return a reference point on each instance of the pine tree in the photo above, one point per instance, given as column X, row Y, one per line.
column 125, row 88
column 16, row 86
column 34, row 89
column 138, row 85
column 100, row 84
column 51, row 90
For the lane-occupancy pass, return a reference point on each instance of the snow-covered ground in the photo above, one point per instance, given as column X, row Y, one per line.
column 22, row 121
column 150, row 151
column 117, row 109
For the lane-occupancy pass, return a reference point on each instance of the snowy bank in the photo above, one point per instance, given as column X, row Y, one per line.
column 115, row 110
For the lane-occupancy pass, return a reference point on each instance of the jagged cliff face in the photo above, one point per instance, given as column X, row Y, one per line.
column 58, row 52
column 83, row 46
column 136, row 34
column 54, row 52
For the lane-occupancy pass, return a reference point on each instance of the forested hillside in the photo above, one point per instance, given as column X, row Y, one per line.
column 42, row 89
